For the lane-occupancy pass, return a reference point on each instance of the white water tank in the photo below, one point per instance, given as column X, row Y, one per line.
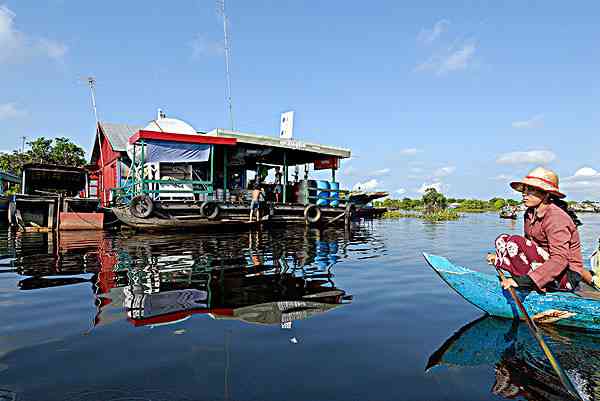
column 164, row 124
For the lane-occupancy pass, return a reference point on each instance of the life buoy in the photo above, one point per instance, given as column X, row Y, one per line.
column 210, row 210
column 141, row 206
column 312, row 214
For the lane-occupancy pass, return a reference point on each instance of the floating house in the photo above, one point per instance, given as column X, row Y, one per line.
column 179, row 177
column 109, row 164
column 54, row 197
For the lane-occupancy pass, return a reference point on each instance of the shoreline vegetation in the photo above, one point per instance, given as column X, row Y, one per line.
column 435, row 207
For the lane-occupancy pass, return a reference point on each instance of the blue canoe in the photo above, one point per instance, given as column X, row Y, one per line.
column 579, row 310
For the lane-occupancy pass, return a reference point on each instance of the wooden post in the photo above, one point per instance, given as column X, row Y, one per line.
column 332, row 175
column 285, row 176
column 51, row 216
column 142, row 162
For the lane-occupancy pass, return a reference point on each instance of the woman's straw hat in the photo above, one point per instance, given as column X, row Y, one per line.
column 540, row 178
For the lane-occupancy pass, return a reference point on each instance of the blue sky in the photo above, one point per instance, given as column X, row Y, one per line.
column 460, row 95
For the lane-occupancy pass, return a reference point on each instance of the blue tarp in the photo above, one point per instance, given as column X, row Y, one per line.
column 176, row 152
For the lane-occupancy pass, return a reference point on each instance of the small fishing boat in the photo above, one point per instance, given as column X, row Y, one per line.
column 509, row 212
column 578, row 309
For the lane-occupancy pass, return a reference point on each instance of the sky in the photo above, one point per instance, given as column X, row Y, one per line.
column 464, row 96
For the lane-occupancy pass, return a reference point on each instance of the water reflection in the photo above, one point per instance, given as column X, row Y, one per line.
column 519, row 368
column 272, row 278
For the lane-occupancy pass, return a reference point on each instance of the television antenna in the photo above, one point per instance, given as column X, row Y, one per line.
column 91, row 81
column 221, row 12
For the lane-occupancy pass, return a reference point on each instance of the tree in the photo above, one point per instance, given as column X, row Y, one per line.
column 59, row 151
column 434, row 201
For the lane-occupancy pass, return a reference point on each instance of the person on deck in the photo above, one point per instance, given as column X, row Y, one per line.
column 278, row 186
column 258, row 195
column 548, row 257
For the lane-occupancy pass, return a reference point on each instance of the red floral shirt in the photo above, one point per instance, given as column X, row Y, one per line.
column 554, row 231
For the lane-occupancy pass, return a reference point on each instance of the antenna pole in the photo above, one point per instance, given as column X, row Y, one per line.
column 92, row 83
column 23, row 138
column 221, row 9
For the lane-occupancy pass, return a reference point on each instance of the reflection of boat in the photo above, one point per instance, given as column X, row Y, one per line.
column 519, row 365
column 484, row 291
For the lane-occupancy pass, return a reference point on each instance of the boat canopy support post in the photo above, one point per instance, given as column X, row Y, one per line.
column 224, row 171
column 212, row 170
column 285, row 176
column 332, row 175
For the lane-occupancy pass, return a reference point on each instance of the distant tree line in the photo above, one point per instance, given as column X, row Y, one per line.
column 60, row 151
column 434, row 200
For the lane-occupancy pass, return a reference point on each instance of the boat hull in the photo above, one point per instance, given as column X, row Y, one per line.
column 484, row 291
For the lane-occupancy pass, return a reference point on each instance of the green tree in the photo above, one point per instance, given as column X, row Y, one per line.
column 434, row 201
column 59, row 151
column 498, row 203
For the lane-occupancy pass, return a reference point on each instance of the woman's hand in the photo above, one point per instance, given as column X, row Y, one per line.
column 508, row 282
column 491, row 258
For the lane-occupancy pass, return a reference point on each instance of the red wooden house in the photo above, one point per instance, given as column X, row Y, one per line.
column 109, row 162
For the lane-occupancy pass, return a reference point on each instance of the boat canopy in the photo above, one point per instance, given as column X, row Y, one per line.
column 280, row 150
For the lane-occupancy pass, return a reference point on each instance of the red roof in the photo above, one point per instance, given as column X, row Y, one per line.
column 186, row 138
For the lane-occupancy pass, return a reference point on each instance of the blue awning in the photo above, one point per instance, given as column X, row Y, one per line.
column 176, row 152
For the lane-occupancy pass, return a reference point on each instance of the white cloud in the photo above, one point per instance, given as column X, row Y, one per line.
column 438, row 186
column 10, row 110
column 452, row 59
column 530, row 157
column 16, row 46
column 409, row 151
column 400, row 191
column 536, row 121
column 366, row 186
column 585, row 182
column 587, row 172
column 444, row 171
column 382, row 172
column 428, row 36
column 203, row 46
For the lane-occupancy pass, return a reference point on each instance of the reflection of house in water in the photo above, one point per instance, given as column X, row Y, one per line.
column 520, row 368
column 256, row 277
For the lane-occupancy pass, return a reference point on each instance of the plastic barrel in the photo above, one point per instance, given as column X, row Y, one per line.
column 334, row 194
column 312, row 192
column 321, row 185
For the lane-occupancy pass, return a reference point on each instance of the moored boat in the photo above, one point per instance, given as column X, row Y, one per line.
column 577, row 309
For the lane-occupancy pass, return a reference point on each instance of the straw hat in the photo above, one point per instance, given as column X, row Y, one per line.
column 540, row 178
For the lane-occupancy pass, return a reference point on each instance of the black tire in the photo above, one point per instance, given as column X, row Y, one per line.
column 141, row 206
column 312, row 214
column 210, row 210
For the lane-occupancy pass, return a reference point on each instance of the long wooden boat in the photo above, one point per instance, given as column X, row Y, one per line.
column 577, row 309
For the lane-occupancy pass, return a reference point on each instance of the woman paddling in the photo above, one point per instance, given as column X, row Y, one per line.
column 548, row 257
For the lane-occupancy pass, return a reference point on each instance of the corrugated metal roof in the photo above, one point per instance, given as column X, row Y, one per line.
column 291, row 144
column 118, row 134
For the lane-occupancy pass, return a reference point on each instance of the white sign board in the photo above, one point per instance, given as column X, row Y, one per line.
column 287, row 125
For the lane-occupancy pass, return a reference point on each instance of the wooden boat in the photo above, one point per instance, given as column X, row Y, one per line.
column 578, row 309
column 508, row 212
column 187, row 221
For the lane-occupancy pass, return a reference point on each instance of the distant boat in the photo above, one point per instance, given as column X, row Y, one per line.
column 509, row 212
column 571, row 309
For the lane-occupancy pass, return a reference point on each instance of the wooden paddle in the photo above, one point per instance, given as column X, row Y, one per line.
column 564, row 379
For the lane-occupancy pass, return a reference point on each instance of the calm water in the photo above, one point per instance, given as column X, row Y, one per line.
column 286, row 314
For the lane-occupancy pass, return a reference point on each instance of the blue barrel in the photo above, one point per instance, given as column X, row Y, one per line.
column 322, row 195
column 334, row 194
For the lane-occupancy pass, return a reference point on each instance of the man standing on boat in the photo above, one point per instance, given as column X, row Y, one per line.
column 278, row 186
column 548, row 257
column 258, row 195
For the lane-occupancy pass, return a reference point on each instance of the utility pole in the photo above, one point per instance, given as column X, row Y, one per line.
column 23, row 139
column 221, row 11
